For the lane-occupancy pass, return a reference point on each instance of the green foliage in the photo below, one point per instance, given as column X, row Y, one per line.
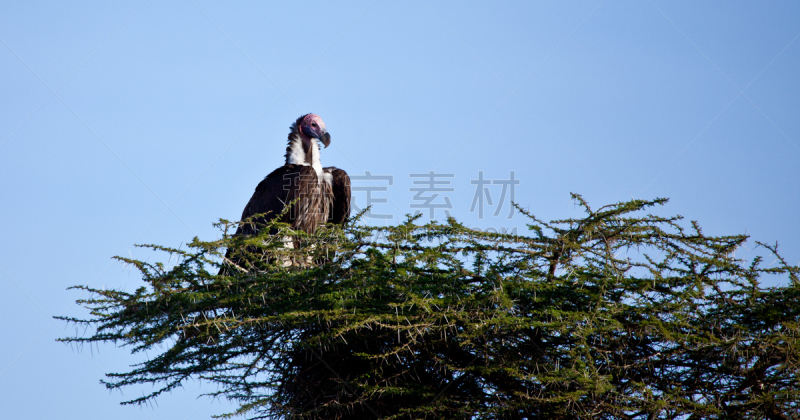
column 618, row 314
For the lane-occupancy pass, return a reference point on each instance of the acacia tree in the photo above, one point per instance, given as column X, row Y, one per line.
column 619, row 314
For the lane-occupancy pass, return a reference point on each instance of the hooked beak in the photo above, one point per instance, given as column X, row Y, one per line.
column 325, row 139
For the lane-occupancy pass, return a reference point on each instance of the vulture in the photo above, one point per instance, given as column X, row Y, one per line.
column 322, row 194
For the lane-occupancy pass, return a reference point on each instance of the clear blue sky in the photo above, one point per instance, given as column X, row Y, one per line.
column 129, row 122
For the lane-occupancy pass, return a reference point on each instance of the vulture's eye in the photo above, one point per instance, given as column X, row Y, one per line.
column 314, row 124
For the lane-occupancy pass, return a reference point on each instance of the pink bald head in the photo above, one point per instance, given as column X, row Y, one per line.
column 312, row 126
column 311, row 120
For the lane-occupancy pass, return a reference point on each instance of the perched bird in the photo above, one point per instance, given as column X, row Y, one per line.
column 322, row 194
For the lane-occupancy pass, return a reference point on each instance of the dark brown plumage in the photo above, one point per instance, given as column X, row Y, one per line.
column 322, row 194
column 340, row 204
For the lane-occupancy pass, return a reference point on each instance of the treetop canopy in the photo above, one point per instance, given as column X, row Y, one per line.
column 618, row 314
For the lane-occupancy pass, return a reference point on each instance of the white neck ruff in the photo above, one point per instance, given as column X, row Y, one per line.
column 297, row 156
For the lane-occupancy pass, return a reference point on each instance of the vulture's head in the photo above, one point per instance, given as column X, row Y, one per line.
column 312, row 126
